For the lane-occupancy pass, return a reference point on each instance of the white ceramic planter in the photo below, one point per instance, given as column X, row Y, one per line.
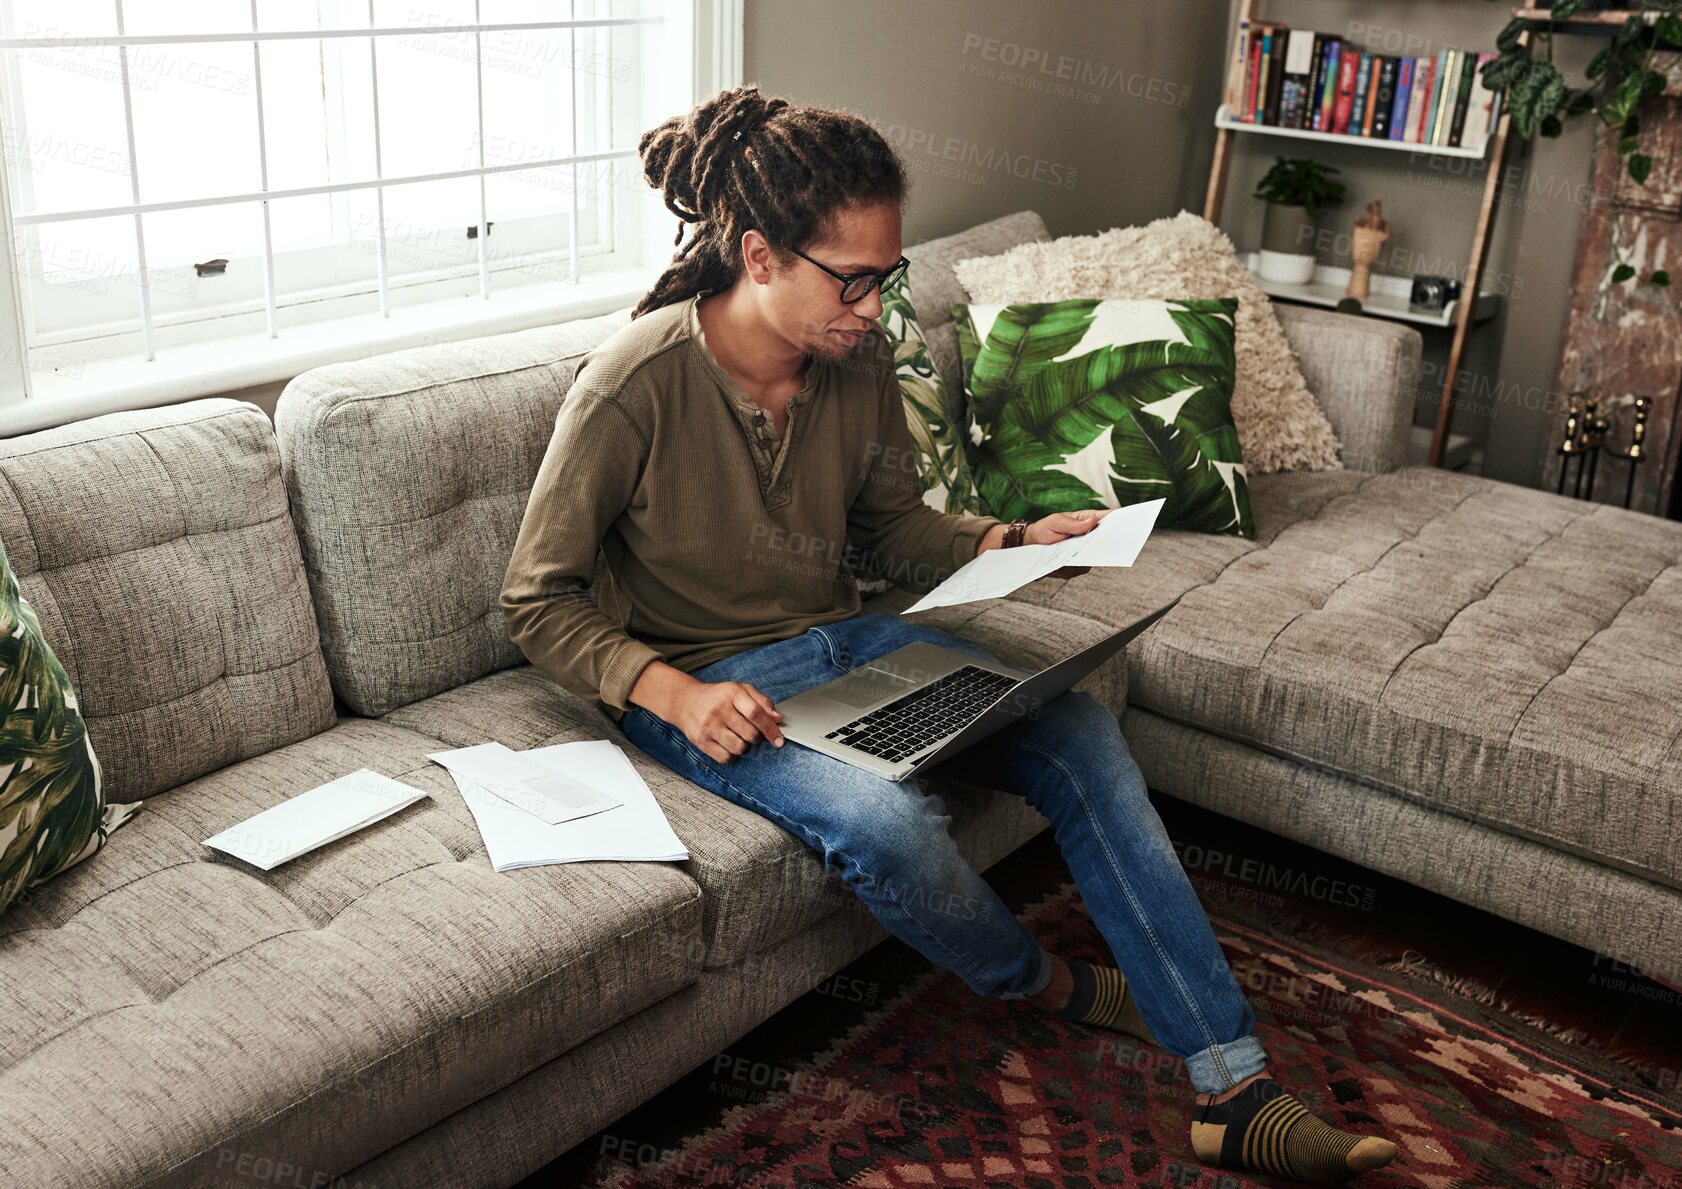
column 1287, row 248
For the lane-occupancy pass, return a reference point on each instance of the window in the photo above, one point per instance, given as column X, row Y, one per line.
column 245, row 172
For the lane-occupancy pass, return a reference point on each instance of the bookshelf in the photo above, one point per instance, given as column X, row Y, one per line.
column 1223, row 119
column 1467, row 311
column 1388, row 299
column 1609, row 19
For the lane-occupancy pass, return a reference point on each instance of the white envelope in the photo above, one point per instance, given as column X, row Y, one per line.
column 314, row 818
column 539, row 790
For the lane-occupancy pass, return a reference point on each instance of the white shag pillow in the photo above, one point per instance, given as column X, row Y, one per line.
column 1280, row 425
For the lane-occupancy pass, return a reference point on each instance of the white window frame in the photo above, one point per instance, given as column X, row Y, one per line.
column 50, row 385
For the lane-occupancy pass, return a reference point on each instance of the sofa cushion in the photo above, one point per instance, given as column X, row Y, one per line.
column 53, row 813
column 1280, row 425
column 935, row 285
column 158, row 553
column 761, row 884
column 1499, row 653
column 1105, row 403
column 170, row 1009
column 409, row 475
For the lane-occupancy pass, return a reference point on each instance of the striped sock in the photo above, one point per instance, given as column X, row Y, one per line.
column 1264, row 1128
column 1102, row 997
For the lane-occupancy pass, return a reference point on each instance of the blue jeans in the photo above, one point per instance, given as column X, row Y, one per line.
column 890, row 842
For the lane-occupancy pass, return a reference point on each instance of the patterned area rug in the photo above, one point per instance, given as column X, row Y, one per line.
column 939, row 1087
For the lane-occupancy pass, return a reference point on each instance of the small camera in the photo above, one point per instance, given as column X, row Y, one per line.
column 1433, row 293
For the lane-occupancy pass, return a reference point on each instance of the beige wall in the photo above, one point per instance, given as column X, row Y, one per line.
column 945, row 80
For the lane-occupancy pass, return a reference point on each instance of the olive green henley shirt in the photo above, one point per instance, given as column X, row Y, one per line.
column 708, row 545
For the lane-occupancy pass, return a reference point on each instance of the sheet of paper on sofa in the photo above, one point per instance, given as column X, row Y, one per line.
column 540, row 790
column 315, row 817
column 1115, row 541
column 634, row 831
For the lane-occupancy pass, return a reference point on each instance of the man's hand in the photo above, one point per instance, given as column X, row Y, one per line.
column 725, row 718
column 1060, row 526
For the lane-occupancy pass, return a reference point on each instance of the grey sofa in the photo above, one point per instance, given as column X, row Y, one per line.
column 1444, row 678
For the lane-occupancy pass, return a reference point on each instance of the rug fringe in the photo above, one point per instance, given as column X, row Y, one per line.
column 1417, row 965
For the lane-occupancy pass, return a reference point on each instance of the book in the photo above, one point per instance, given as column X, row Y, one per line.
column 1315, row 100
column 1347, row 70
column 1434, row 101
column 1358, row 105
column 1372, row 94
column 1386, row 99
column 1253, row 86
column 1422, row 71
column 1462, row 98
column 1480, row 121
column 1275, row 75
column 1328, row 93
column 1399, row 109
column 1252, row 77
column 1446, row 85
column 1299, row 64
column 1240, row 66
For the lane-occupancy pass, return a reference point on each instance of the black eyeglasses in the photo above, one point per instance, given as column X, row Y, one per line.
column 855, row 287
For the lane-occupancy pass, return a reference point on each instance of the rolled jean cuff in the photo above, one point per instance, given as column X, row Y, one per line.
column 1239, row 1058
column 1040, row 981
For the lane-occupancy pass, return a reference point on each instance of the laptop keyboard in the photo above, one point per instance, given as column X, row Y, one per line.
column 925, row 716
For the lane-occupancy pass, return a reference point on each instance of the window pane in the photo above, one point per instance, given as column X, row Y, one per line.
column 426, row 226
column 186, row 16
column 195, row 120
column 77, row 274
column 66, row 147
column 61, row 18
column 426, row 103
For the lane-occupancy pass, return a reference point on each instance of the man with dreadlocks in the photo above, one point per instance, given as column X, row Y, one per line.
column 723, row 452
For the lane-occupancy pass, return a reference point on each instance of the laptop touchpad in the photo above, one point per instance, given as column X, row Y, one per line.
column 866, row 686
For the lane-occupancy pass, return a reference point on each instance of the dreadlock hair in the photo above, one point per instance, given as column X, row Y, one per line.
column 740, row 160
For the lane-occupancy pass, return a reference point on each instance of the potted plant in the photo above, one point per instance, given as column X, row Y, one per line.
column 1636, row 65
column 1296, row 190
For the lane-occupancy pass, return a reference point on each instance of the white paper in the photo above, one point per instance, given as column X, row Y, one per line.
column 314, row 818
column 636, row 830
column 540, row 790
column 1114, row 541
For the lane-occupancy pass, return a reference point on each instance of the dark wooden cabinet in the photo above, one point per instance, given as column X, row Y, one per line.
column 1626, row 338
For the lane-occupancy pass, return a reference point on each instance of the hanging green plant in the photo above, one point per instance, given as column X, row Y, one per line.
column 1620, row 77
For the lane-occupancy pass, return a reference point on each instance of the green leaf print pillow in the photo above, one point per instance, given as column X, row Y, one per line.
column 1103, row 403
column 933, row 416
column 932, row 412
column 52, row 807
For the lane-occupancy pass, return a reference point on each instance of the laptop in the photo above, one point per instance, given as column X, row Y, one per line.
column 923, row 702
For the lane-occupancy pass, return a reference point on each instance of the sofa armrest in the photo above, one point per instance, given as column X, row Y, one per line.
column 1365, row 374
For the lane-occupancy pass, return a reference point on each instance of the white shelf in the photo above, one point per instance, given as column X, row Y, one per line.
column 1224, row 120
column 1388, row 299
